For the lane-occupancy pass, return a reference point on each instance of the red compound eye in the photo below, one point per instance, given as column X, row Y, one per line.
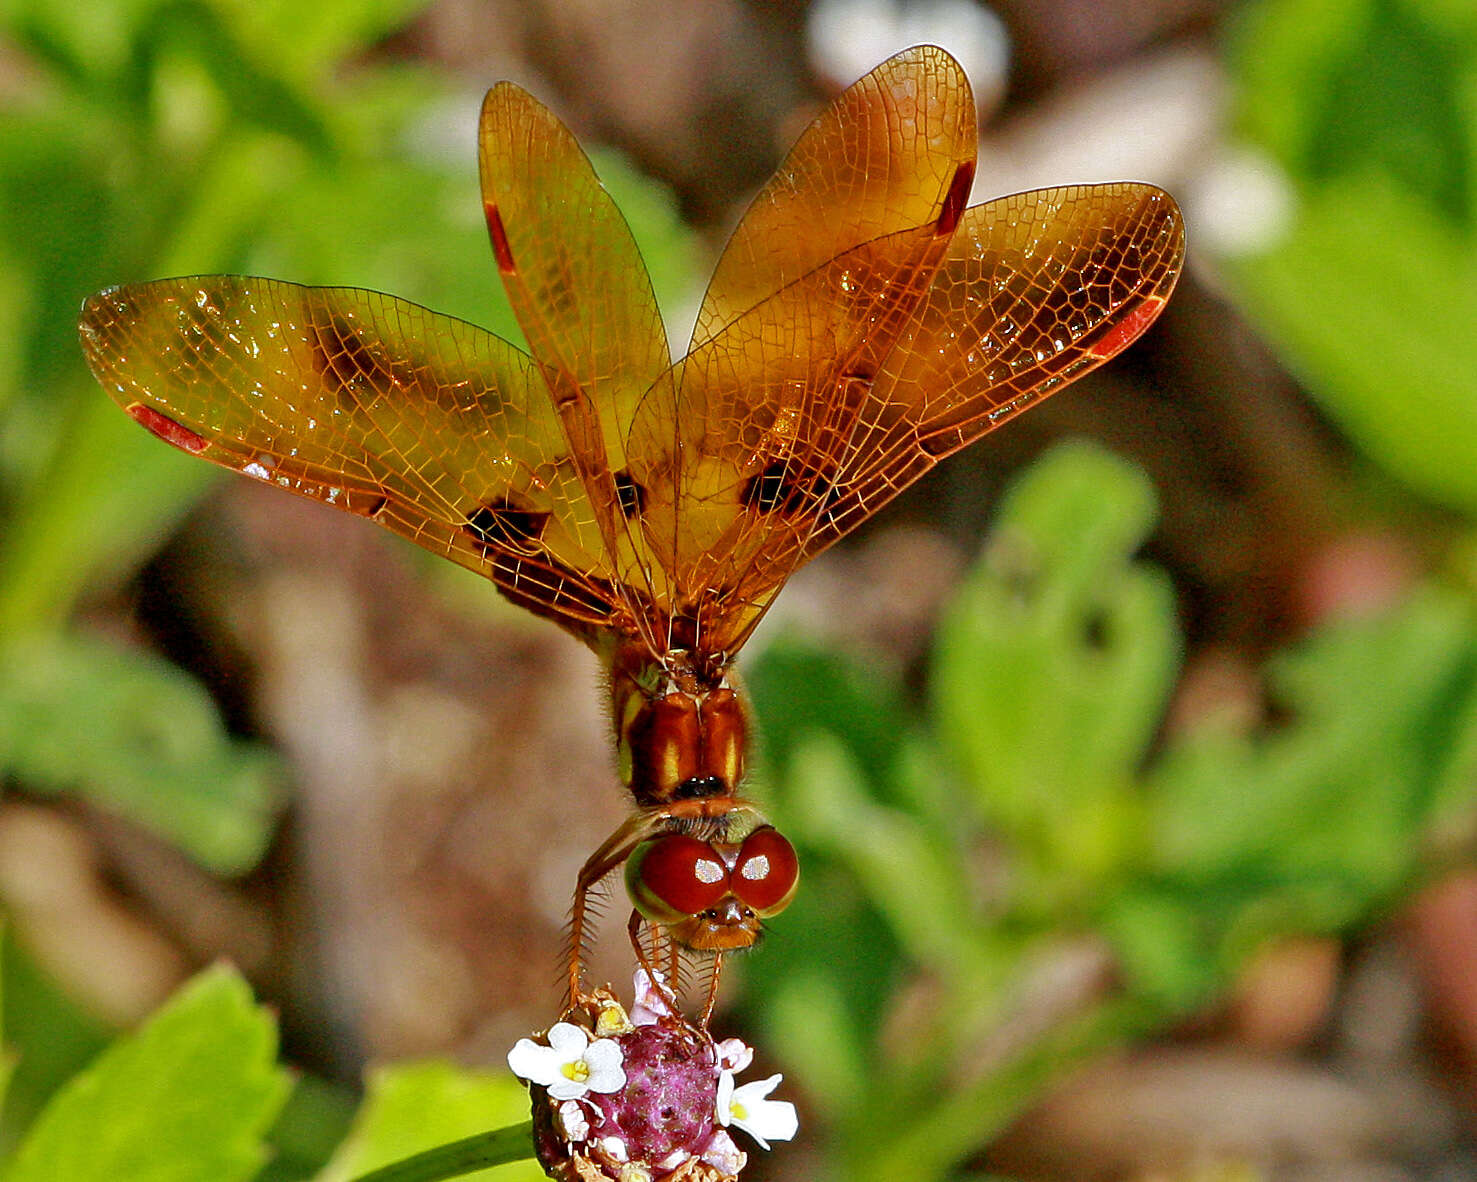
column 674, row 876
column 766, row 872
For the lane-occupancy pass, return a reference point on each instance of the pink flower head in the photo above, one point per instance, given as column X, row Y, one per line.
column 649, row 1098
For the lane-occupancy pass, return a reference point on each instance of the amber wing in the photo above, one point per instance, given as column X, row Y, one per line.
column 891, row 159
column 805, row 415
column 891, row 153
column 821, row 275
column 584, row 301
column 434, row 428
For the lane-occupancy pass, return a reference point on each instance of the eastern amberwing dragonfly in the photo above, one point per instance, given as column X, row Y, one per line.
column 862, row 323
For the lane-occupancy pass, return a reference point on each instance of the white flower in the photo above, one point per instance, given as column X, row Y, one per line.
column 571, row 1064
column 749, row 1107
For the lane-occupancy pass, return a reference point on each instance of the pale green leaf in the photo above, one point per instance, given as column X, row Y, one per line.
column 186, row 1098
column 412, row 1107
column 135, row 735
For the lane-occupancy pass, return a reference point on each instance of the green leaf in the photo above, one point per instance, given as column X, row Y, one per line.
column 1165, row 948
column 309, row 1128
column 909, row 869
column 1394, row 104
column 7, row 1056
column 251, row 86
column 1370, row 108
column 1348, row 87
column 1363, row 315
column 187, row 1097
column 110, row 496
column 52, row 1035
column 135, row 735
column 418, row 1106
column 1321, row 819
column 800, row 691
column 1054, row 662
column 807, row 1019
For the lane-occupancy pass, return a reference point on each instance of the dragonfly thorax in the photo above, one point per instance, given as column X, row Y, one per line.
column 677, row 738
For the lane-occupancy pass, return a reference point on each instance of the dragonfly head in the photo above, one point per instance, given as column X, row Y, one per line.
column 713, row 895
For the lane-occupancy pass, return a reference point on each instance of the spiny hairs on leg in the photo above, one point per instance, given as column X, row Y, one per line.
column 594, row 902
column 680, row 960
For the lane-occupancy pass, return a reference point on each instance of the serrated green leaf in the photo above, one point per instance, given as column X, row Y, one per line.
column 135, row 735
column 1053, row 664
column 186, row 1098
column 418, row 1106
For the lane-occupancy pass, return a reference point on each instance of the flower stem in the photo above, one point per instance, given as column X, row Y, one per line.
column 456, row 1158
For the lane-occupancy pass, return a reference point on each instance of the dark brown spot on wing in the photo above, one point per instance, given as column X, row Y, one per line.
column 630, row 494
column 355, row 367
column 768, row 490
column 502, row 523
column 682, row 631
column 785, row 489
column 548, row 588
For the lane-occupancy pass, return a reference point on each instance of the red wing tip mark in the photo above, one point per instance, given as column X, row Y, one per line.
column 1127, row 330
column 167, row 429
column 956, row 199
column 500, row 247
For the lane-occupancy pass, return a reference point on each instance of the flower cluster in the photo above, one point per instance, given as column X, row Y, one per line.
column 621, row 1097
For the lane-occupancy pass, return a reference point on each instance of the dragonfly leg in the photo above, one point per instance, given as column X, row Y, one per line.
column 713, row 977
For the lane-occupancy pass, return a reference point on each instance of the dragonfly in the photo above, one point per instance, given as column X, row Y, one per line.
column 863, row 322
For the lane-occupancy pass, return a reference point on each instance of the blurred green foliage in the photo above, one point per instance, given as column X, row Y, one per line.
column 1037, row 809
column 1369, row 110
column 134, row 734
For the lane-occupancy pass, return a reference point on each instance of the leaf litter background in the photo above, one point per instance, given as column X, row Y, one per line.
column 1136, row 800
